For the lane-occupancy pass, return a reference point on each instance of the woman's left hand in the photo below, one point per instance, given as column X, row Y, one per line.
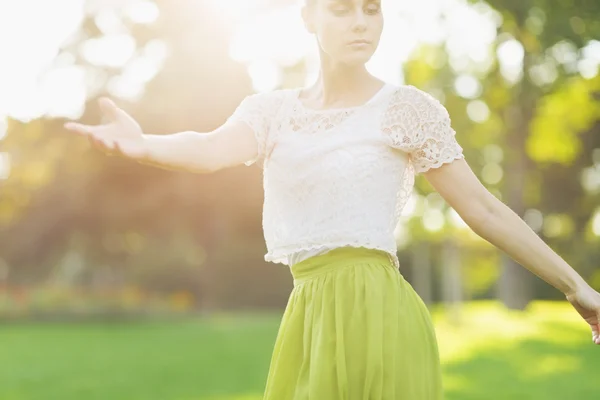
column 587, row 303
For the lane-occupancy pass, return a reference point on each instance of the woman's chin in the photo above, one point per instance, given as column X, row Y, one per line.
column 357, row 59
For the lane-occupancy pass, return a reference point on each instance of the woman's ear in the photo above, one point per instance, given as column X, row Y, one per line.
column 307, row 17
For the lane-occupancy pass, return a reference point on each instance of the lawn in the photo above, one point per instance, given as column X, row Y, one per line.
column 543, row 353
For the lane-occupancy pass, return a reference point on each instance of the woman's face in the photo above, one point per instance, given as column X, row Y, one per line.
column 348, row 31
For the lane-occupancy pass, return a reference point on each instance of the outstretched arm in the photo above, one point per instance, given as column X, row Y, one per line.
column 495, row 222
column 231, row 144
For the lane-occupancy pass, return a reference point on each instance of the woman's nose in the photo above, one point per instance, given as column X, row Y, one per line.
column 360, row 20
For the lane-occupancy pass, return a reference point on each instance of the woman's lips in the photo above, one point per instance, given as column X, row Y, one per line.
column 361, row 41
column 359, row 44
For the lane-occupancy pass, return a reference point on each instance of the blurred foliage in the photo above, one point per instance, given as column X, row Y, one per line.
column 540, row 132
column 69, row 215
column 72, row 217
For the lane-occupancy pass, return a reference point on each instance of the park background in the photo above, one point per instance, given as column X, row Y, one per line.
column 124, row 281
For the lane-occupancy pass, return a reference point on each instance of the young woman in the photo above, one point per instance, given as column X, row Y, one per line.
column 339, row 160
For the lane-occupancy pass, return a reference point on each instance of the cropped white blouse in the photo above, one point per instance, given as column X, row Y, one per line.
column 341, row 177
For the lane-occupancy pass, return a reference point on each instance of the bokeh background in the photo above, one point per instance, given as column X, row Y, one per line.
column 122, row 281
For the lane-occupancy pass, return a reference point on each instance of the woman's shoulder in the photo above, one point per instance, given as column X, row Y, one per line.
column 265, row 102
column 403, row 96
column 412, row 93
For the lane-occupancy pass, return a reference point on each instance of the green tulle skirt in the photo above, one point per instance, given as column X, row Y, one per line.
column 354, row 329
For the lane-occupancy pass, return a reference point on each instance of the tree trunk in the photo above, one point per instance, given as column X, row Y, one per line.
column 515, row 289
column 452, row 289
column 421, row 269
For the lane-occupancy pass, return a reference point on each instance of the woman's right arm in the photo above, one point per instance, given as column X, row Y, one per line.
column 231, row 144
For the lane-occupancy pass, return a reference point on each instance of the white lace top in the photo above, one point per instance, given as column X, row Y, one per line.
column 341, row 177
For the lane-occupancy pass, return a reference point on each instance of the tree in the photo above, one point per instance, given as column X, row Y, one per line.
column 522, row 99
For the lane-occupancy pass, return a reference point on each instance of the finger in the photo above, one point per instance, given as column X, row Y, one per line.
column 96, row 143
column 110, row 109
column 79, row 128
column 120, row 149
column 100, row 144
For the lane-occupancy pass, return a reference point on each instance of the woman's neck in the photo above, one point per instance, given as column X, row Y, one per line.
column 341, row 84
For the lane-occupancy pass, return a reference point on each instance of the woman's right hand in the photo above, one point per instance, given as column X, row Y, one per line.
column 587, row 303
column 121, row 134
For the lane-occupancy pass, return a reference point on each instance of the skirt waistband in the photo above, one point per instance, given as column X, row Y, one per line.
column 336, row 258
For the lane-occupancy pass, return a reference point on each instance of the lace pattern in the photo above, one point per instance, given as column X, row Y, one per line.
column 342, row 177
column 315, row 122
column 417, row 123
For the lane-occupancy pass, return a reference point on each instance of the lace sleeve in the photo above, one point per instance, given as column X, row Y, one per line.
column 419, row 124
column 258, row 111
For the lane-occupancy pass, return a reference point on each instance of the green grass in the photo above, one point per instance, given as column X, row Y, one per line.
column 543, row 353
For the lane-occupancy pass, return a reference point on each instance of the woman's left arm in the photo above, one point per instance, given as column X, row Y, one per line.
column 495, row 222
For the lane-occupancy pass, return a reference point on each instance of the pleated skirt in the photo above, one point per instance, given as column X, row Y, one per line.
column 354, row 329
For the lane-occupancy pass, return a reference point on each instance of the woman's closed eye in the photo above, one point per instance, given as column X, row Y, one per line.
column 340, row 9
column 373, row 8
column 343, row 9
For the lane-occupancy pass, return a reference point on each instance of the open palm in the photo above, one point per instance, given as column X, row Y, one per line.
column 121, row 134
column 587, row 303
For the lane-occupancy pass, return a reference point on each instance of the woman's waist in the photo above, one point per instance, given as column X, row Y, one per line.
column 291, row 253
column 336, row 258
